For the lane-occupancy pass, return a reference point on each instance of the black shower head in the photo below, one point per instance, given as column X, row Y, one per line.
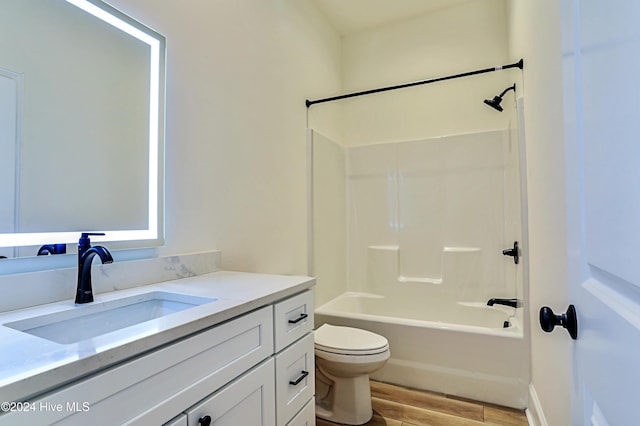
column 495, row 102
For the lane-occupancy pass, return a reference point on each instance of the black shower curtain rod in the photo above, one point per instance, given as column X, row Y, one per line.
column 519, row 64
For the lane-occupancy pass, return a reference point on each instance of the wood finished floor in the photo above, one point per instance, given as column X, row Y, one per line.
column 398, row 406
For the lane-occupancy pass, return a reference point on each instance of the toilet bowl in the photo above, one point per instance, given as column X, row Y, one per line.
column 345, row 357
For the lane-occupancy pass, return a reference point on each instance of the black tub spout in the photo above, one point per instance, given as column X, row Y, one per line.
column 514, row 303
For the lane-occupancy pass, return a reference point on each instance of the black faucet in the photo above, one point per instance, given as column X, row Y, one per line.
column 52, row 249
column 86, row 253
column 514, row 303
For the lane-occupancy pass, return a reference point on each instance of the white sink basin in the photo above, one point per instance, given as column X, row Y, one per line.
column 95, row 319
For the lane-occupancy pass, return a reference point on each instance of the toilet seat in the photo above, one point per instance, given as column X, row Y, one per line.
column 349, row 341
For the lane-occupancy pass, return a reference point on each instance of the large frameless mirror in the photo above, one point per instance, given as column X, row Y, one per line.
column 81, row 125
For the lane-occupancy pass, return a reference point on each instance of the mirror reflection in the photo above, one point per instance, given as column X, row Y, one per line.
column 81, row 124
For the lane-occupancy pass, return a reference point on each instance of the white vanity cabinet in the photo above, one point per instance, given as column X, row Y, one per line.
column 251, row 399
column 228, row 375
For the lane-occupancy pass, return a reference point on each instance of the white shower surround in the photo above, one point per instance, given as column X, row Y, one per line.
column 434, row 211
column 426, row 223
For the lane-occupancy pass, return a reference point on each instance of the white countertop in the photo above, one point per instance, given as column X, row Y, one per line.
column 31, row 365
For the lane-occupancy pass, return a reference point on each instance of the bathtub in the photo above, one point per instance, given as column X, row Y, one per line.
column 468, row 350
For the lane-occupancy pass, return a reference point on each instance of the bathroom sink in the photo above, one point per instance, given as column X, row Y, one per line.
column 87, row 321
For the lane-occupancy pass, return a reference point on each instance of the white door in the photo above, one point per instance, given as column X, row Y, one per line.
column 602, row 106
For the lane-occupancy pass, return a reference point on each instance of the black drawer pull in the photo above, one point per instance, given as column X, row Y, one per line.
column 299, row 379
column 300, row 318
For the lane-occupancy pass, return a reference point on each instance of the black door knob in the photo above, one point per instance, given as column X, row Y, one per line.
column 568, row 320
column 204, row 420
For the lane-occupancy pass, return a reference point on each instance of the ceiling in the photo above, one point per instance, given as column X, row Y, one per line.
column 352, row 16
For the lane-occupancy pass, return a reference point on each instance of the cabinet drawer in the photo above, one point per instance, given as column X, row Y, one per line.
column 306, row 416
column 153, row 388
column 248, row 401
column 181, row 420
column 293, row 318
column 295, row 378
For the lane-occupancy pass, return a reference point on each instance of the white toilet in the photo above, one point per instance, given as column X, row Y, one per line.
column 345, row 357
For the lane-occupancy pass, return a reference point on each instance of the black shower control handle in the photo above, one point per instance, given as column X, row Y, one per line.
column 515, row 252
column 568, row 320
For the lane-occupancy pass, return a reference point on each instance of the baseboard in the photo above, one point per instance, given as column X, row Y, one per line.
column 535, row 415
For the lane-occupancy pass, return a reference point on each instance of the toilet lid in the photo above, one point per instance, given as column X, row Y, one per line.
column 348, row 340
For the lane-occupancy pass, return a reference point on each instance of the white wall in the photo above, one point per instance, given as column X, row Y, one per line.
column 535, row 35
column 238, row 73
column 453, row 40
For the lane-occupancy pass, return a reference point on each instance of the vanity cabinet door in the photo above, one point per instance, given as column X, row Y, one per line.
column 293, row 318
column 248, row 401
column 295, row 378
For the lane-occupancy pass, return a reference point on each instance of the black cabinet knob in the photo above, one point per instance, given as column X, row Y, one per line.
column 204, row 421
column 568, row 320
